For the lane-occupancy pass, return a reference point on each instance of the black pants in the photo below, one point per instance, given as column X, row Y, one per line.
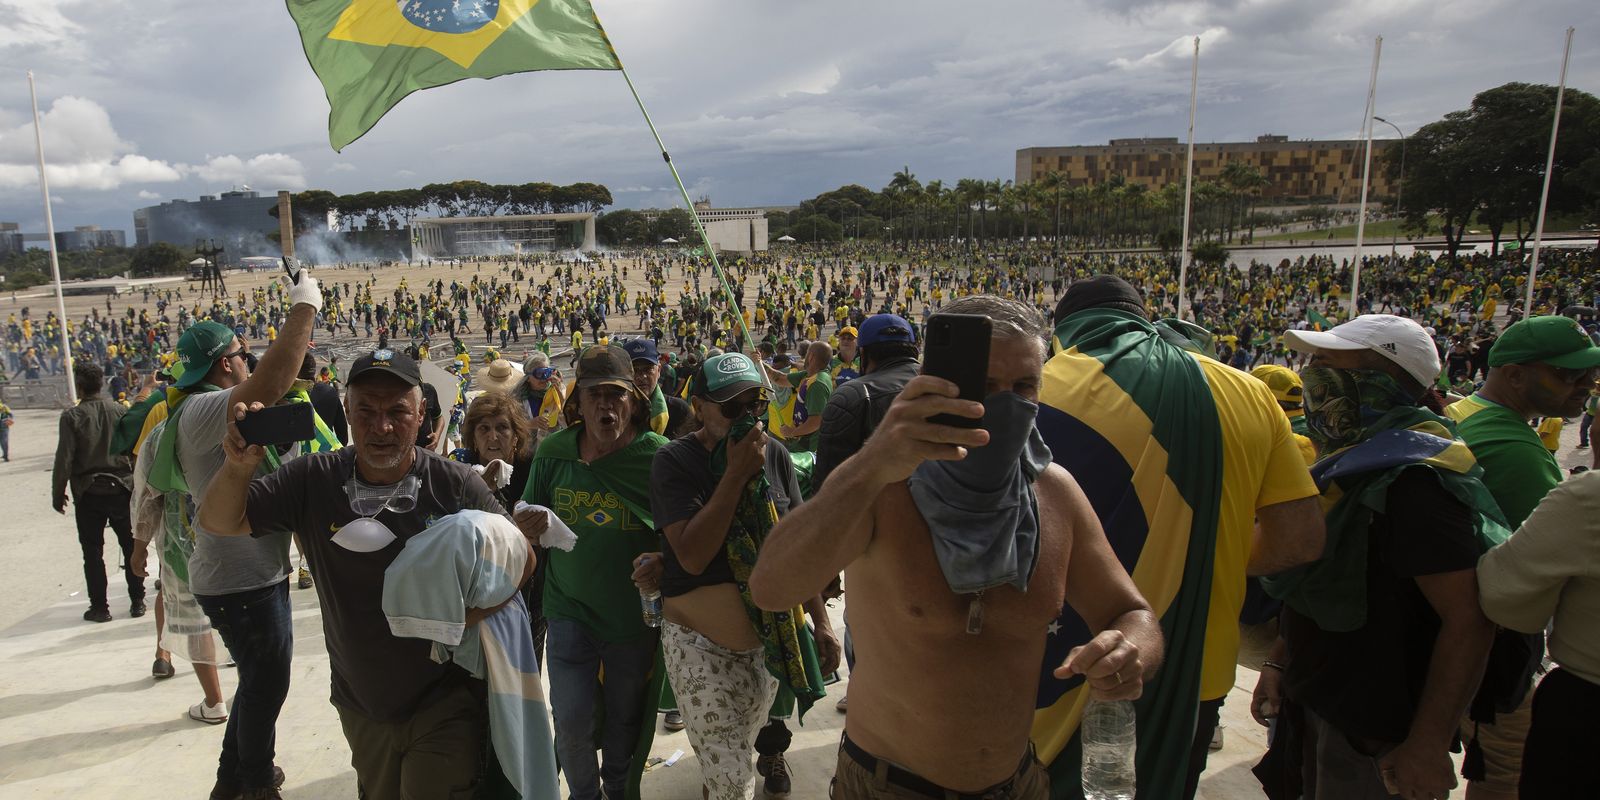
column 1558, row 760
column 92, row 512
column 1200, row 749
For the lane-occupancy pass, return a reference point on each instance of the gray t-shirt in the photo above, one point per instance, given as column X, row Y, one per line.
column 222, row 564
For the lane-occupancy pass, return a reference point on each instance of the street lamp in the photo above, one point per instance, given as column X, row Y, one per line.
column 1400, row 185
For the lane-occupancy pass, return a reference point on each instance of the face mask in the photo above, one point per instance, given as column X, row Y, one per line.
column 368, row 535
column 1342, row 404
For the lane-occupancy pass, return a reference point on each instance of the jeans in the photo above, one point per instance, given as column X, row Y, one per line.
column 255, row 625
column 574, row 657
column 1583, row 430
column 92, row 512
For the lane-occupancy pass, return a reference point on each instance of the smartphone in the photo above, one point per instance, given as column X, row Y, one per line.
column 956, row 348
column 285, row 424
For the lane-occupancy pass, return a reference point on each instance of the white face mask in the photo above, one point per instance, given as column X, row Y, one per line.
column 364, row 535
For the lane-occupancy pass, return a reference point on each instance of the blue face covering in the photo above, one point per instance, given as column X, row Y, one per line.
column 981, row 510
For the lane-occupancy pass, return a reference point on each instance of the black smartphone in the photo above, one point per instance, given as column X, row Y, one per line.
column 956, row 348
column 285, row 424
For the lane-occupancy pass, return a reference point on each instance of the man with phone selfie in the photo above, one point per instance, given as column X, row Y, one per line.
column 241, row 583
column 979, row 620
column 416, row 728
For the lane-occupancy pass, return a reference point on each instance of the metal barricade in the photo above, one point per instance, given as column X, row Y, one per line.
column 42, row 393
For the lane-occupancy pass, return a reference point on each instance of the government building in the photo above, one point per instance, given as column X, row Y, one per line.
column 1306, row 170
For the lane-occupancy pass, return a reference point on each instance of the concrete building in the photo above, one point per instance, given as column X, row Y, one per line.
column 239, row 222
column 739, row 230
column 82, row 238
column 1318, row 171
column 442, row 237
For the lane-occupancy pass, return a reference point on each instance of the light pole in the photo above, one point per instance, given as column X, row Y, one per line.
column 1400, row 185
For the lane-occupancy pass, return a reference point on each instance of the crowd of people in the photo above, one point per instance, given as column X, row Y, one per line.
column 661, row 530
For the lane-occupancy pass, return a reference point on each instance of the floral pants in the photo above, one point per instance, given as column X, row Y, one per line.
column 724, row 696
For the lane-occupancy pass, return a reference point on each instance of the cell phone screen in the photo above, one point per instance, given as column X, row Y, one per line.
column 285, row 424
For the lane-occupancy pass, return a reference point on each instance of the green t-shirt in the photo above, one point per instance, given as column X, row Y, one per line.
column 607, row 504
column 1517, row 469
column 812, row 398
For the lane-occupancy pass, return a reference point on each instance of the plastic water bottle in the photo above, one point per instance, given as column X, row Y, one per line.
column 650, row 604
column 1109, row 740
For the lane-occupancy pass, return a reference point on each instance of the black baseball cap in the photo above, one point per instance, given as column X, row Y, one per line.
column 389, row 362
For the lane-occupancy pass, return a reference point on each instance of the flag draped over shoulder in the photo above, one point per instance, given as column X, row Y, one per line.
column 370, row 54
column 1131, row 416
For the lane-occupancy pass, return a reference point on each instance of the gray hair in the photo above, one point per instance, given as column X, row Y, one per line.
column 536, row 360
column 1011, row 319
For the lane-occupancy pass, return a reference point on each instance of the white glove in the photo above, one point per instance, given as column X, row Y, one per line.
column 304, row 289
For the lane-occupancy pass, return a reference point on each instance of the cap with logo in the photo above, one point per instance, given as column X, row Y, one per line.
column 1398, row 339
column 1284, row 382
column 386, row 362
column 606, row 365
column 880, row 328
column 729, row 375
column 848, row 330
column 1557, row 341
column 642, row 350
column 199, row 348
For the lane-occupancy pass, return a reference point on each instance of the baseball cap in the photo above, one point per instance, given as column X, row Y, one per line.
column 386, row 361
column 880, row 328
column 1284, row 382
column 605, row 364
column 1100, row 291
column 1557, row 341
column 1398, row 339
column 729, row 374
column 848, row 330
column 199, row 348
column 642, row 350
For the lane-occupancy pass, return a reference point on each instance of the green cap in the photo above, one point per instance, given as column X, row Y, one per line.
column 730, row 374
column 1557, row 341
column 199, row 348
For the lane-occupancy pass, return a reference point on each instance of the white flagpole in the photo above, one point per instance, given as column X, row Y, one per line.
column 1544, row 194
column 1188, row 188
column 50, row 232
column 1366, row 171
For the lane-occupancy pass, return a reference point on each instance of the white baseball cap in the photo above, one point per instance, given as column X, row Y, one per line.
column 1398, row 339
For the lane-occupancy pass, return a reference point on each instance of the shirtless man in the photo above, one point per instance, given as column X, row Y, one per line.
column 947, row 709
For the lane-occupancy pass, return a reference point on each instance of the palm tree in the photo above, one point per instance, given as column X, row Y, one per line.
column 1053, row 183
column 1005, row 200
column 903, row 184
column 933, row 197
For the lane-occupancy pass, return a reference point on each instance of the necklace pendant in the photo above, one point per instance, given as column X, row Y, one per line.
column 975, row 614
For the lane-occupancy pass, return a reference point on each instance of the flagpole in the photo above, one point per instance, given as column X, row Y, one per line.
column 1549, row 163
column 1188, row 187
column 50, row 232
column 716, row 264
column 1366, row 172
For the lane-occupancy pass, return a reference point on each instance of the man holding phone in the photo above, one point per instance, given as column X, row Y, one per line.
column 982, row 619
column 813, row 387
column 241, row 583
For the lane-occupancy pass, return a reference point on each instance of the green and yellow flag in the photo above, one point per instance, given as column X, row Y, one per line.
column 370, row 54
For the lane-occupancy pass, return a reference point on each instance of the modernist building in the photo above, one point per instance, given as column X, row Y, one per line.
column 240, row 222
column 1319, row 171
column 440, row 237
column 739, row 230
column 82, row 238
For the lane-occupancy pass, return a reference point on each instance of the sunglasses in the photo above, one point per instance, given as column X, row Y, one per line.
column 734, row 409
column 1574, row 377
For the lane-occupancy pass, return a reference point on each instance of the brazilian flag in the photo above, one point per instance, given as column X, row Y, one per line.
column 1131, row 416
column 370, row 54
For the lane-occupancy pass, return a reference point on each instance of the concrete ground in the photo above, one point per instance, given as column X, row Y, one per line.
column 80, row 715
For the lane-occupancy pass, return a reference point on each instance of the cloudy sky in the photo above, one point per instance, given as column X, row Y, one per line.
column 760, row 101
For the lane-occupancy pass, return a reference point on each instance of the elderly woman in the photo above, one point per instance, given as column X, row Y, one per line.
column 542, row 395
column 497, row 437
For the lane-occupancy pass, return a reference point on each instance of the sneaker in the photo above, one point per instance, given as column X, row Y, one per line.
column 210, row 715
column 1216, row 739
column 136, row 609
column 305, row 578
column 776, row 770
column 840, row 706
column 162, row 669
column 673, row 721
column 97, row 615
